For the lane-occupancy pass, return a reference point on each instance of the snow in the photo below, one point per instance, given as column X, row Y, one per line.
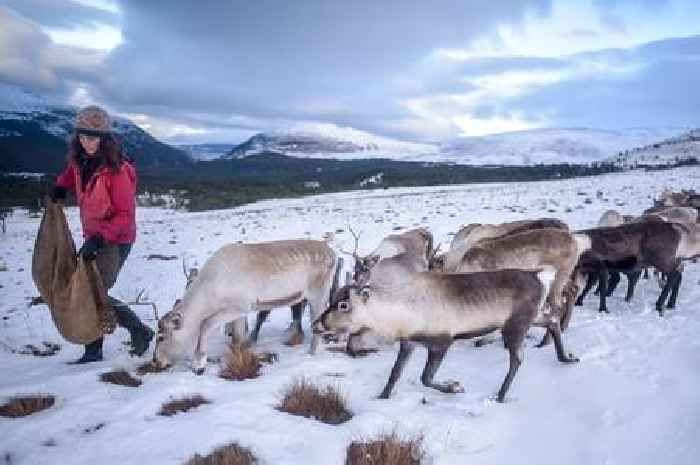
column 550, row 146
column 632, row 398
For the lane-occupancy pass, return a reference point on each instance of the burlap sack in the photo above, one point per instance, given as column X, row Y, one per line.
column 71, row 288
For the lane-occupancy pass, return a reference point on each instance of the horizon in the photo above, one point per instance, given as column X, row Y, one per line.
column 222, row 72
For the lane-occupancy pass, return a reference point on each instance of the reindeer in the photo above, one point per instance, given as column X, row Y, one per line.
column 242, row 278
column 473, row 233
column 663, row 245
column 410, row 251
column 237, row 330
column 435, row 309
column 613, row 218
column 531, row 250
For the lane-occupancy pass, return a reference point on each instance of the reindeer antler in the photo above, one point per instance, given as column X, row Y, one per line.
column 357, row 244
column 138, row 301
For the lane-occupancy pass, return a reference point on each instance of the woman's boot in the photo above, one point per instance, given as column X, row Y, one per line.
column 141, row 334
column 93, row 353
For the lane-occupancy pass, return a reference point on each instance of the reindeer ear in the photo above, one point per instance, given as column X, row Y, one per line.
column 372, row 260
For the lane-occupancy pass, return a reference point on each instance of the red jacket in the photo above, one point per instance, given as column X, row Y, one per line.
column 108, row 203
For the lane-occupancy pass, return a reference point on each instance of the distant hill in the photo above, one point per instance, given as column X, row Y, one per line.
column 684, row 148
column 330, row 141
column 523, row 148
column 34, row 134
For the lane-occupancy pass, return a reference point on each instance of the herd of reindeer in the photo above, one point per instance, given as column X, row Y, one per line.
column 505, row 277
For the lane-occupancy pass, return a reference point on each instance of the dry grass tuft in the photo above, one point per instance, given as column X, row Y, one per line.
column 49, row 349
column 21, row 406
column 174, row 406
column 148, row 367
column 308, row 400
column 388, row 449
column 121, row 378
column 231, row 454
column 240, row 363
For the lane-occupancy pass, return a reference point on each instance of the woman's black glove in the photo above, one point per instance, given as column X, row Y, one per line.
column 90, row 247
column 58, row 193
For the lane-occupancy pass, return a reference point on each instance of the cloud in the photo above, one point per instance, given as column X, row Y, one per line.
column 413, row 71
column 29, row 58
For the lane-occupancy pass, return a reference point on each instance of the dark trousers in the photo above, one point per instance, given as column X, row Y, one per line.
column 109, row 261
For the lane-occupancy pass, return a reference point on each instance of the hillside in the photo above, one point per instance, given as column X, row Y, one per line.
column 523, row 148
column 684, row 148
column 33, row 134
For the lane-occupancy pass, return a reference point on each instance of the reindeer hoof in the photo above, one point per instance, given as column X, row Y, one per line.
column 383, row 395
column 199, row 371
column 570, row 358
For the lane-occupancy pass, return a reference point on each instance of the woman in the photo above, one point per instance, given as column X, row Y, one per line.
column 104, row 183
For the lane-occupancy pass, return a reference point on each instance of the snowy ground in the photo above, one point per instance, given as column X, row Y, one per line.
column 631, row 400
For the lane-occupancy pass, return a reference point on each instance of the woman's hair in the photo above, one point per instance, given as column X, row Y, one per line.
column 109, row 151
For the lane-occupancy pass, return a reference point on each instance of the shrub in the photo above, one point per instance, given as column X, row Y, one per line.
column 21, row 406
column 230, row 454
column 308, row 400
column 240, row 363
column 388, row 449
column 174, row 406
column 121, row 378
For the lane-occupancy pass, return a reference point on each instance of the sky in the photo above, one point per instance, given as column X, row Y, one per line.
column 220, row 71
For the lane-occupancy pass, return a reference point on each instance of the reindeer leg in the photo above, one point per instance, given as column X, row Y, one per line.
column 646, row 272
column 632, row 279
column 436, row 352
column 603, row 281
column 675, row 279
column 199, row 363
column 296, row 336
column 259, row 320
column 555, row 330
column 405, row 350
column 614, row 281
column 662, row 297
column 592, row 279
column 513, row 335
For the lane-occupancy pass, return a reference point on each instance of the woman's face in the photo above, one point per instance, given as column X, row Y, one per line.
column 90, row 144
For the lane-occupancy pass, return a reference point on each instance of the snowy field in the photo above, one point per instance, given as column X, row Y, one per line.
column 633, row 398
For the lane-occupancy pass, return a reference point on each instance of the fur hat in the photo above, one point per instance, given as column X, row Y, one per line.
column 93, row 118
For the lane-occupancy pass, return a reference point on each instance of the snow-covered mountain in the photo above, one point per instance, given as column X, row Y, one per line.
column 537, row 146
column 549, row 146
column 330, row 141
column 681, row 148
column 34, row 131
column 205, row 152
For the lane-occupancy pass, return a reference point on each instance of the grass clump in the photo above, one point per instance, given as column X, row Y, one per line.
column 305, row 399
column 121, row 378
column 22, row 406
column 230, row 454
column 184, row 404
column 240, row 363
column 387, row 449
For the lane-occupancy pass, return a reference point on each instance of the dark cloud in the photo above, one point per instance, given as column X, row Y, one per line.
column 327, row 60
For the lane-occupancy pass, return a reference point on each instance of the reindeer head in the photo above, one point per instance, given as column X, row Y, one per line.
column 341, row 313
column 170, row 339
